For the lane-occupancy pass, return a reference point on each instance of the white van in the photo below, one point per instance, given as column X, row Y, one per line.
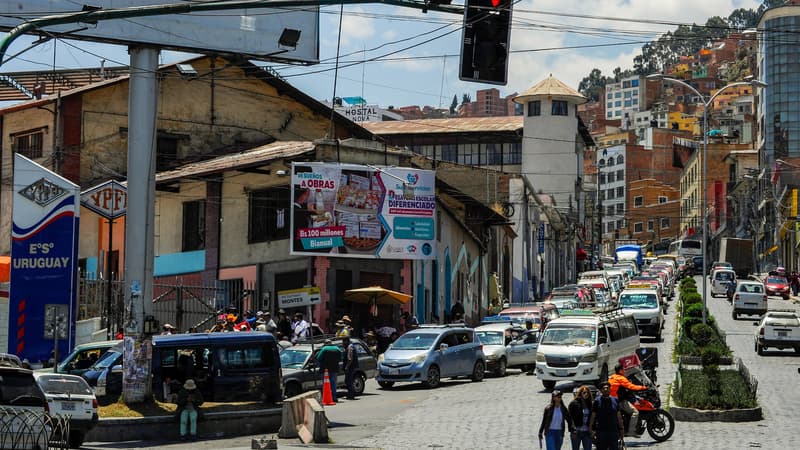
column 582, row 346
column 646, row 308
column 719, row 281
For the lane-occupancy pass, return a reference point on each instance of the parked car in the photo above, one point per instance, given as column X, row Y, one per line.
column 750, row 297
column 82, row 357
column 778, row 329
column 71, row 396
column 10, row 360
column 106, row 387
column 507, row 345
column 719, row 265
column 539, row 313
column 720, row 279
column 27, row 409
column 301, row 369
column 696, row 265
column 430, row 353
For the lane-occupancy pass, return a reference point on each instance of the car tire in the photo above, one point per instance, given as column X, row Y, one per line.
column 292, row 389
column 797, row 349
column 386, row 384
column 502, row 368
column 785, row 297
column 433, row 378
column 734, row 316
column 359, row 383
column 549, row 385
column 477, row 371
column 76, row 439
column 760, row 349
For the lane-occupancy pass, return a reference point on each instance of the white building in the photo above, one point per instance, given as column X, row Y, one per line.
column 622, row 100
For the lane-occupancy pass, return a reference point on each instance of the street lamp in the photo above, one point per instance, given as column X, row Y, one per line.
column 755, row 84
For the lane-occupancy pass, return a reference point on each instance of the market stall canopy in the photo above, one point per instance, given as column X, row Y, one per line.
column 377, row 295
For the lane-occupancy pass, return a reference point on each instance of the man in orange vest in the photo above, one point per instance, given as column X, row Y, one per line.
column 617, row 381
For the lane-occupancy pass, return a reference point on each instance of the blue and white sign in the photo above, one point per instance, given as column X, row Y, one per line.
column 540, row 237
column 44, row 271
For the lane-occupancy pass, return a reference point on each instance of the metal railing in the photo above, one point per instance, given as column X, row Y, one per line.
column 32, row 429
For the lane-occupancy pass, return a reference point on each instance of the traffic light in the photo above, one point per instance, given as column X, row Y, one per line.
column 485, row 41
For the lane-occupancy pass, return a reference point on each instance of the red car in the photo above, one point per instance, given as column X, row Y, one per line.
column 777, row 286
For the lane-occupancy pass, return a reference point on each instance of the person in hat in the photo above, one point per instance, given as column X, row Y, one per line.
column 350, row 366
column 329, row 358
column 284, row 325
column 372, row 341
column 342, row 329
column 167, row 329
column 555, row 420
column 300, row 328
column 189, row 401
column 250, row 318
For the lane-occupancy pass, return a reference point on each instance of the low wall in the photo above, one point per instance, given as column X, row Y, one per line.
column 216, row 425
column 701, row 415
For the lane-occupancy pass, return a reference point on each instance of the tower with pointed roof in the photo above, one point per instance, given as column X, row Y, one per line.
column 552, row 158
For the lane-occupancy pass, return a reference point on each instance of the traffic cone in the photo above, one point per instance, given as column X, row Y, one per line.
column 327, row 395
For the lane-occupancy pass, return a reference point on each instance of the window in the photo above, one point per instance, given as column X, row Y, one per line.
column 610, row 210
column 621, row 224
column 664, row 222
column 662, row 199
column 269, row 215
column 611, row 177
column 610, row 194
column 560, row 108
column 620, row 192
column 650, row 225
column 627, row 326
column 620, row 208
column 494, row 153
column 194, row 225
column 621, row 174
column 29, row 143
column 535, row 108
column 450, row 152
column 618, row 104
column 638, row 201
column 602, row 178
column 602, row 195
column 614, row 332
column 166, row 152
column 240, row 357
column 601, row 163
column 637, row 227
column 620, row 159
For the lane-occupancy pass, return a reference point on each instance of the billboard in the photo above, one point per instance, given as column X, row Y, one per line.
column 254, row 32
column 356, row 211
column 44, row 266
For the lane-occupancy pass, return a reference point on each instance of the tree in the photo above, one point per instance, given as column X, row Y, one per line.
column 592, row 87
column 742, row 19
column 454, row 104
column 465, row 98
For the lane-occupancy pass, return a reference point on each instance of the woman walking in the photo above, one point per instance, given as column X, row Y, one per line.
column 580, row 408
column 553, row 420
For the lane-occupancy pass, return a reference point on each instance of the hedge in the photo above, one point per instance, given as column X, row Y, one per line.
column 731, row 392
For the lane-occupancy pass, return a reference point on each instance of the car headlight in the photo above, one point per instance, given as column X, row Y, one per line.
column 418, row 358
column 589, row 358
column 380, row 358
column 491, row 356
column 540, row 357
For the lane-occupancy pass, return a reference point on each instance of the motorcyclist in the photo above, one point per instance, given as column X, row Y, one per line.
column 730, row 289
column 617, row 381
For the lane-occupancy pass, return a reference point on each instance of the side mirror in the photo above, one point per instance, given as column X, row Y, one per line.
column 117, row 369
column 444, row 347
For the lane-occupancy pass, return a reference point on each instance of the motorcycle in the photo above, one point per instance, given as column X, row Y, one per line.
column 730, row 291
column 658, row 422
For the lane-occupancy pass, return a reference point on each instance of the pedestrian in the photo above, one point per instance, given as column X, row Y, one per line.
column 555, row 416
column 300, row 328
column 189, row 401
column 284, row 325
column 794, row 282
column 330, row 358
column 350, row 366
column 580, row 409
column 167, row 329
column 606, row 420
column 457, row 312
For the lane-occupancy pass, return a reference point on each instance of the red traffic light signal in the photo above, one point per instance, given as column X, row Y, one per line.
column 485, row 41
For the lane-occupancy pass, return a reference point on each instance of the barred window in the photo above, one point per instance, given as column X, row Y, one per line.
column 29, row 144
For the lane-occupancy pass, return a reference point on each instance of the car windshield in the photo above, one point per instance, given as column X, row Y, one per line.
column 783, row 321
column 414, row 341
column 294, row 358
column 777, row 280
column 584, row 336
column 106, row 360
column 491, row 337
column 54, row 384
column 638, row 301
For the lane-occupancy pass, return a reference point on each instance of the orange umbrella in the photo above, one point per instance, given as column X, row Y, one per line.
column 376, row 295
column 5, row 269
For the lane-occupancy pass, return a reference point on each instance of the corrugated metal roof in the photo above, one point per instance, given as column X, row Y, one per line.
column 439, row 126
column 250, row 158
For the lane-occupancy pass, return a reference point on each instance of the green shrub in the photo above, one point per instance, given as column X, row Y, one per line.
column 702, row 334
column 691, row 298
column 688, row 282
column 710, row 356
column 731, row 391
column 694, row 310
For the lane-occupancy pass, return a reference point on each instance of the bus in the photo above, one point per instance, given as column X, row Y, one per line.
column 686, row 248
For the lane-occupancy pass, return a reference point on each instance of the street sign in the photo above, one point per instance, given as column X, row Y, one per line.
column 110, row 199
column 540, row 236
column 293, row 298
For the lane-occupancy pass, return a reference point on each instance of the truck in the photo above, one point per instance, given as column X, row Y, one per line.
column 738, row 252
column 629, row 252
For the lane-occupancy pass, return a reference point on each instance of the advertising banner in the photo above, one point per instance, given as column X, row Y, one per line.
column 355, row 211
column 44, row 270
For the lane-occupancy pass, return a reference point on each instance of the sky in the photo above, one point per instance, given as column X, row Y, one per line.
column 413, row 57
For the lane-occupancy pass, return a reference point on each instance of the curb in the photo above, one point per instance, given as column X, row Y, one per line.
column 703, row 415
